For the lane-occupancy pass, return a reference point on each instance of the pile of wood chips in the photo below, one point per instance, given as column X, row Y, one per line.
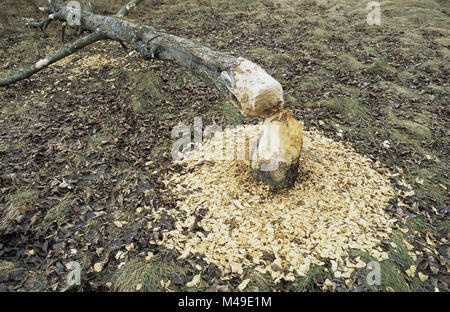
column 336, row 204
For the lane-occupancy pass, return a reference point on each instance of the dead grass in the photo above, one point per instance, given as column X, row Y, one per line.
column 19, row 203
column 230, row 113
column 12, row 12
column 349, row 61
column 349, row 107
column 147, row 95
column 392, row 276
column 6, row 267
column 147, row 276
column 409, row 15
column 305, row 282
column 310, row 83
column 259, row 282
column 54, row 215
column 382, row 68
column 412, row 132
column 417, row 130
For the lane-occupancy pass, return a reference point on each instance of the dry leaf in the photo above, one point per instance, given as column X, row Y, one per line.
column 149, row 256
column 195, row 281
column 411, row 271
column 244, row 284
column 422, row 276
column 98, row 267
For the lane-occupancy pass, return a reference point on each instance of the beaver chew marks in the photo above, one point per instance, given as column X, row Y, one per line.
column 257, row 92
column 278, row 152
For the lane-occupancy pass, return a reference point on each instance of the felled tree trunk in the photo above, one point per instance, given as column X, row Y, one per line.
column 242, row 82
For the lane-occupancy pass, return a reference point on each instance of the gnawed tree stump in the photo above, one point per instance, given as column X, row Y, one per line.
column 245, row 84
column 276, row 163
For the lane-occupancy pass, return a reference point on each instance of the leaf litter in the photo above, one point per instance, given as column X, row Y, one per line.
column 337, row 203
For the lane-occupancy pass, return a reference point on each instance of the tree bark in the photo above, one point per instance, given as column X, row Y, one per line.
column 245, row 84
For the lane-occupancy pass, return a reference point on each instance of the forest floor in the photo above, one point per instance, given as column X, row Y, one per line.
column 85, row 144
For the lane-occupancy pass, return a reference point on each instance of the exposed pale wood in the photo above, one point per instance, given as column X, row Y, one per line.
column 276, row 159
column 245, row 84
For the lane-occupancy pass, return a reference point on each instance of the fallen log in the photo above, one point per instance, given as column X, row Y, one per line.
column 245, row 84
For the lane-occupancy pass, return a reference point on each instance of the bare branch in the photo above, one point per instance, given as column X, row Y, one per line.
column 245, row 84
column 62, row 32
column 43, row 63
column 37, row 24
column 122, row 44
column 42, row 25
column 127, row 7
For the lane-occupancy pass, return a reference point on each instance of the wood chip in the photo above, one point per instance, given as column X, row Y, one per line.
column 337, row 203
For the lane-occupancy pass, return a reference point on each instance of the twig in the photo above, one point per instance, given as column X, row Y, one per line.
column 63, row 29
column 122, row 44
column 43, row 63
column 42, row 25
column 127, row 7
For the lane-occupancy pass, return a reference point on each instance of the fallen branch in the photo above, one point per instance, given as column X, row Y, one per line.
column 242, row 82
column 245, row 84
column 127, row 7
column 43, row 63
column 42, row 24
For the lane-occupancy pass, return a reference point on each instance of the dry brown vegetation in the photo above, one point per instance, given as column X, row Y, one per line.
column 84, row 154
